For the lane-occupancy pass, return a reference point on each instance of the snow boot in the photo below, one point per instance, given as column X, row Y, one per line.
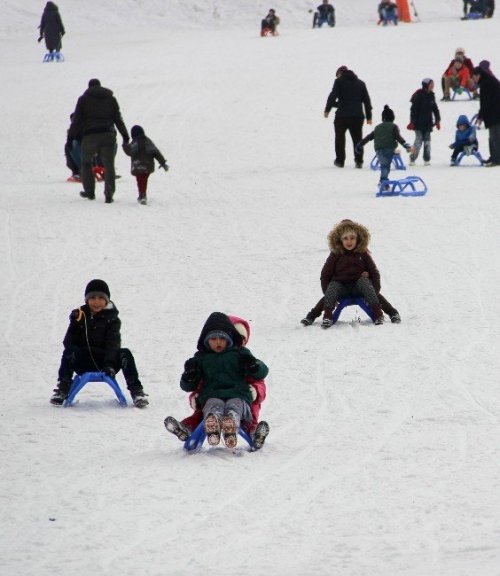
column 395, row 317
column 261, row 433
column 177, row 428
column 212, row 429
column 87, row 195
column 309, row 318
column 379, row 315
column 229, row 432
column 139, row 399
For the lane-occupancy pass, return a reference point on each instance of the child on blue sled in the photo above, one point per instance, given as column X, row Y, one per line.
column 226, row 385
column 465, row 139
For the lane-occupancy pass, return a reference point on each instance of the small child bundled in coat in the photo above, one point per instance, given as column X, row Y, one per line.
column 258, row 430
column 385, row 138
column 349, row 270
column 465, row 139
column 143, row 152
column 219, row 370
column 93, row 343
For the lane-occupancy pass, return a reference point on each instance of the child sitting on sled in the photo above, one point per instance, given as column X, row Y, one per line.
column 93, row 343
column 465, row 139
column 142, row 152
column 220, row 372
column 349, row 270
column 269, row 24
column 385, row 139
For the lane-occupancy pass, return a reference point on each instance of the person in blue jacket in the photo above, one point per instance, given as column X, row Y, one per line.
column 465, row 139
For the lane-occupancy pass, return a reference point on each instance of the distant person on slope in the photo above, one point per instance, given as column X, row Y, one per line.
column 269, row 24
column 325, row 14
column 424, row 115
column 96, row 114
column 143, row 153
column 349, row 96
column 51, row 28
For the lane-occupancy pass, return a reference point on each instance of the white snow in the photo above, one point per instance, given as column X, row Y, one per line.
column 383, row 457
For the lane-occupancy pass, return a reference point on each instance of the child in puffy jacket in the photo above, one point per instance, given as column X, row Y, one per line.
column 226, row 384
column 143, row 152
column 465, row 139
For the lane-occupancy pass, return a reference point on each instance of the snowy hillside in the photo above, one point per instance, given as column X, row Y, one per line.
column 383, row 455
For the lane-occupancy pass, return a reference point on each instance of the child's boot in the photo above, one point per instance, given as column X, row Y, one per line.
column 229, row 432
column 261, row 433
column 327, row 318
column 212, row 429
column 139, row 398
column 395, row 317
column 142, row 198
column 378, row 314
column 309, row 318
column 60, row 393
column 177, row 428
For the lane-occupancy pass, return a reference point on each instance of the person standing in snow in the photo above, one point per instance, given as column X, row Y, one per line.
column 143, row 153
column 51, row 28
column 489, row 111
column 424, row 114
column 349, row 96
column 96, row 114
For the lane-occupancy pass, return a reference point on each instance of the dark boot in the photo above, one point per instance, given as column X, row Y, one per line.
column 378, row 314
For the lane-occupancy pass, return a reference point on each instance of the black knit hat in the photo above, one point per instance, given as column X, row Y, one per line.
column 94, row 82
column 136, row 131
column 387, row 114
column 97, row 288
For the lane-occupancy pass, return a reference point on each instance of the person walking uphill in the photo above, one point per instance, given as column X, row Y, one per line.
column 96, row 114
column 349, row 95
column 51, row 27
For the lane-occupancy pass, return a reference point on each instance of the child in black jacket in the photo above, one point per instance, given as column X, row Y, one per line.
column 143, row 153
column 93, row 344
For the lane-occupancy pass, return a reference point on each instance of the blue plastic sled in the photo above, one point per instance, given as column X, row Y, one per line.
column 198, row 437
column 397, row 163
column 461, row 91
column 357, row 301
column 79, row 382
column 409, row 186
column 476, row 154
column 55, row 56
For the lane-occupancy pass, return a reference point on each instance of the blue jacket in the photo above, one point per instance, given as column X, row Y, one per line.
column 464, row 137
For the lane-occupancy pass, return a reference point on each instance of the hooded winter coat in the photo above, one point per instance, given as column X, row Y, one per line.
column 464, row 137
column 349, row 95
column 223, row 373
column 100, row 333
column 51, row 27
column 97, row 111
column 345, row 266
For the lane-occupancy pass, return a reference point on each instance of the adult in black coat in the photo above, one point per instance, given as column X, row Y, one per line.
column 489, row 111
column 424, row 115
column 51, row 27
column 349, row 96
column 96, row 114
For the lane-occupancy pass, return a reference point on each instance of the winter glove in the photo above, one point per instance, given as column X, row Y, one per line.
column 190, row 370
column 165, row 167
column 451, row 146
column 410, row 126
column 359, row 148
column 249, row 364
column 438, row 125
column 76, row 315
column 253, row 392
column 407, row 147
column 193, row 401
column 459, row 90
column 40, row 39
column 109, row 371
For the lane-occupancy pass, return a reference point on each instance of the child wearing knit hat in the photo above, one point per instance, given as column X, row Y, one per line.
column 385, row 138
column 93, row 344
column 219, row 372
column 143, row 153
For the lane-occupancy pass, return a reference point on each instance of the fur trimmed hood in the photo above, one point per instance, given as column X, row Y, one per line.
column 335, row 236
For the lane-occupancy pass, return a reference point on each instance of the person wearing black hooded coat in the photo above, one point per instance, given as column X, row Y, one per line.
column 489, row 111
column 350, row 96
column 51, row 27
